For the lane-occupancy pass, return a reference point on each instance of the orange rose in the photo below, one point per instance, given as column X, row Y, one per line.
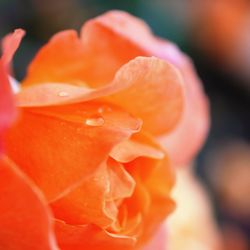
column 79, row 146
column 106, row 182
column 124, row 37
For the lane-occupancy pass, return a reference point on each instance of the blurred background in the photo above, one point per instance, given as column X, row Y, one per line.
column 216, row 34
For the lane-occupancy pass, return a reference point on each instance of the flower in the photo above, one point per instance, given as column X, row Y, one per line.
column 86, row 144
column 105, row 179
column 125, row 37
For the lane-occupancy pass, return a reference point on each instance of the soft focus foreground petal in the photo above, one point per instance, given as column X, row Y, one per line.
column 192, row 225
column 90, row 237
column 96, row 200
column 25, row 220
column 60, row 142
column 10, row 44
column 7, row 104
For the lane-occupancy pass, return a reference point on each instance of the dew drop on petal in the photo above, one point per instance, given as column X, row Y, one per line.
column 63, row 94
column 100, row 110
column 94, row 121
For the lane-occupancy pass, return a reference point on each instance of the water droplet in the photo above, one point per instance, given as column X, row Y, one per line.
column 95, row 121
column 100, row 110
column 63, row 94
column 104, row 109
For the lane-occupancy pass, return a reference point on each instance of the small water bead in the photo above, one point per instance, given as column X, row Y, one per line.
column 63, row 94
column 101, row 110
column 94, row 121
column 104, row 109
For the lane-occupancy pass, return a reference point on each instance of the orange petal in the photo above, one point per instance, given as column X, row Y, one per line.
column 26, row 222
column 80, row 61
column 74, row 134
column 189, row 135
column 63, row 59
column 90, row 237
column 129, row 150
column 10, row 44
column 155, row 93
column 89, row 60
column 95, row 201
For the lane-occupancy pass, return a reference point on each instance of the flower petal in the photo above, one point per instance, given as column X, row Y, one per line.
column 129, row 150
column 10, row 44
column 83, row 61
column 184, row 142
column 90, row 237
column 154, row 95
column 75, row 133
column 95, row 201
column 25, row 219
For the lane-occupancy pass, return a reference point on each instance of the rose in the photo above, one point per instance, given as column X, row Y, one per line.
column 123, row 38
column 82, row 155
column 109, row 182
